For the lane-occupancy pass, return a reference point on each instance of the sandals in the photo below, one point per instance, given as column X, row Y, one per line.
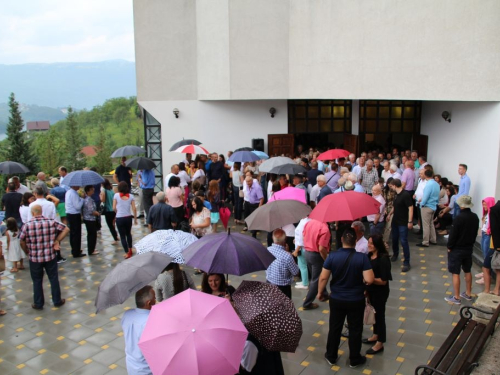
column 13, row 270
column 3, row 312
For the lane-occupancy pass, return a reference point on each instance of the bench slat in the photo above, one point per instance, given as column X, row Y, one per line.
column 445, row 347
column 459, row 366
column 457, row 346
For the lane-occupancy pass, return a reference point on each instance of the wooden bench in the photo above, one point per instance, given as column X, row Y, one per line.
column 462, row 348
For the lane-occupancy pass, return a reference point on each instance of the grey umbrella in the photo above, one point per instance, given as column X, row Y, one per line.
column 127, row 151
column 184, row 142
column 128, row 277
column 274, row 162
column 140, row 163
column 11, row 167
column 288, row 169
column 277, row 214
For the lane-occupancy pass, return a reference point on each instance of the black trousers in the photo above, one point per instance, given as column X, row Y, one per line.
column 110, row 217
column 124, row 225
column 354, row 311
column 249, row 208
column 75, row 233
column 378, row 300
column 286, row 289
column 36, row 271
column 147, row 200
column 91, row 227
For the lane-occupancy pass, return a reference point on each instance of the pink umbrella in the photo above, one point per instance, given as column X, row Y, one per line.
column 335, row 153
column 193, row 333
column 224, row 214
column 289, row 193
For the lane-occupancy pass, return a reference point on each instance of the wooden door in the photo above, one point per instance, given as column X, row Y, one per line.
column 351, row 143
column 421, row 144
column 280, row 144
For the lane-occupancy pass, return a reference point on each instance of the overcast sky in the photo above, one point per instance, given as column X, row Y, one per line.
column 45, row 31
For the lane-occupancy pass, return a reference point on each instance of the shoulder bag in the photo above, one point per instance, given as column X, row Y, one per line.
column 495, row 260
column 369, row 317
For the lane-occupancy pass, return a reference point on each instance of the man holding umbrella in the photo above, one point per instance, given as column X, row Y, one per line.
column 123, row 173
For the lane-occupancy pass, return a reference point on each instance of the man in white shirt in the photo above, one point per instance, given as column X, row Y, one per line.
column 361, row 164
column 377, row 221
column 174, row 171
column 386, row 173
column 48, row 208
column 394, row 171
column 361, row 241
column 298, row 253
column 419, row 193
column 20, row 188
column 313, row 195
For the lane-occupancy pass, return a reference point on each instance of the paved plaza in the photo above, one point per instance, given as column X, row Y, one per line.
column 74, row 340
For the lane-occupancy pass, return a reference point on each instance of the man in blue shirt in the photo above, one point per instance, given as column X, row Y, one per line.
column 351, row 272
column 74, row 205
column 324, row 188
column 463, row 186
column 428, row 205
column 147, row 184
column 133, row 323
column 282, row 270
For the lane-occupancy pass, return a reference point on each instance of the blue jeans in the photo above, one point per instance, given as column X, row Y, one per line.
column 400, row 233
column 485, row 244
column 456, row 210
column 36, row 271
column 378, row 228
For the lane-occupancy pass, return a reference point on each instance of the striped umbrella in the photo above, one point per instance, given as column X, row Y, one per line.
column 192, row 149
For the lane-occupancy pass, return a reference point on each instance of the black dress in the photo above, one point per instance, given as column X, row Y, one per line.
column 268, row 363
column 378, row 294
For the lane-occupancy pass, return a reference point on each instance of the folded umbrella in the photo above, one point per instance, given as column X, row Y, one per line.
column 169, row 242
column 229, row 253
column 335, row 153
column 345, row 206
column 274, row 162
column 192, row 149
column 261, row 154
column 243, row 156
column 224, row 214
column 127, row 151
column 184, row 142
column 140, row 163
column 83, row 178
column 277, row 214
column 193, row 333
column 269, row 315
column 288, row 169
column 128, row 277
column 11, row 167
column 290, row 193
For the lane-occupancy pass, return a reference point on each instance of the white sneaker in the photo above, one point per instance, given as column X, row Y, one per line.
column 299, row 283
column 446, row 236
column 416, row 227
column 300, row 286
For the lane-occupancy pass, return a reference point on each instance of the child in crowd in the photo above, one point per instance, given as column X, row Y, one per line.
column 15, row 253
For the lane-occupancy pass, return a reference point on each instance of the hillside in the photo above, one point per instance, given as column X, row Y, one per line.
column 58, row 85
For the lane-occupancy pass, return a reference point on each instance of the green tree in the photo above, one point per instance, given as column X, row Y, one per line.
column 19, row 145
column 51, row 147
column 74, row 143
column 102, row 160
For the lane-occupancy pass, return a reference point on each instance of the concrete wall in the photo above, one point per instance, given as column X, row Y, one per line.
column 292, row 49
column 472, row 138
column 220, row 125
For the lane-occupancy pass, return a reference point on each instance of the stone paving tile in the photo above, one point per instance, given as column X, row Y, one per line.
column 74, row 340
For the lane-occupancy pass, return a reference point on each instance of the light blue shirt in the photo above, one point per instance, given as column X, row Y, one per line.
column 321, row 166
column 73, row 202
column 358, row 188
column 147, row 179
column 464, row 186
column 133, row 323
column 430, row 198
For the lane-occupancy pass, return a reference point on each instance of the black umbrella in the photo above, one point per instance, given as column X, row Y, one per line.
column 184, row 142
column 244, row 149
column 11, row 167
column 288, row 169
column 140, row 163
column 127, row 151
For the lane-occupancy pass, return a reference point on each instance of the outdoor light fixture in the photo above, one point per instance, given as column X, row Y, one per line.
column 272, row 111
column 176, row 112
column 447, row 116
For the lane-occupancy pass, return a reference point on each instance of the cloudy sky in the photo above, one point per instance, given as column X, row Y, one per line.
column 45, row 31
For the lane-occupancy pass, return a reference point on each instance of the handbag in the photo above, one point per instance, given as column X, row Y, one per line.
column 495, row 260
column 369, row 316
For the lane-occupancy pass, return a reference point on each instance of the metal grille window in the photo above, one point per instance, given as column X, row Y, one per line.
column 152, row 135
column 389, row 116
column 319, row 116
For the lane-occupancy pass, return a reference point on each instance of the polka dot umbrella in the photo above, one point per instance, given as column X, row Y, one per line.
column 269, row 315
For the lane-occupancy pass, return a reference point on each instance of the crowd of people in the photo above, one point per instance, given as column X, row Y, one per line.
column 412, row 197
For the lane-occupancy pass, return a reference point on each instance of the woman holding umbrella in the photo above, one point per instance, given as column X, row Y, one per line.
column 122, row 203
column 215, row 283
column 200, row 219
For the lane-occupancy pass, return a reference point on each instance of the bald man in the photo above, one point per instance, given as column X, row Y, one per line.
column 40, row 238
column 377, row 221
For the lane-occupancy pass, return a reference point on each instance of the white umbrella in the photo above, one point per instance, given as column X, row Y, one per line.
column 169, row 242
column 274, row 162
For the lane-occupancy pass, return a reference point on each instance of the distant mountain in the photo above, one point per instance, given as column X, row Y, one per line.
column 30, row 113
column 58, row 85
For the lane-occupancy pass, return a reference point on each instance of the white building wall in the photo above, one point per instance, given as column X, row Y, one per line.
column 472, row 138
column 337, row 49
column 221, row 125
